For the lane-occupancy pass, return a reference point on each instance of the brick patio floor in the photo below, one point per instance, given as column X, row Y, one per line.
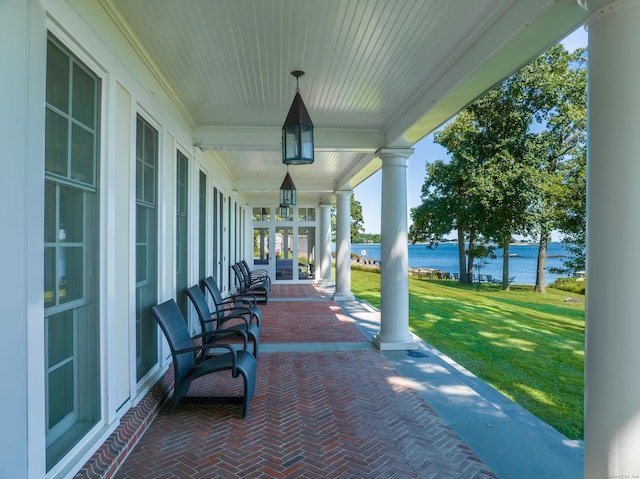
column 336, row 414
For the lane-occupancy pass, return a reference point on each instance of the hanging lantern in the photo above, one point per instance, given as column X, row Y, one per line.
column 297, row 131
column 287, row 192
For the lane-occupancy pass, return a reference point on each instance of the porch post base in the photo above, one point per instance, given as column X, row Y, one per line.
column 343, row 297
column 401, row 345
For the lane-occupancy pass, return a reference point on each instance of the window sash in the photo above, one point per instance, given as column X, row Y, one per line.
column 71, row 252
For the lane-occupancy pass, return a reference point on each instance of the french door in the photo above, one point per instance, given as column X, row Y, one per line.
column 285, row 245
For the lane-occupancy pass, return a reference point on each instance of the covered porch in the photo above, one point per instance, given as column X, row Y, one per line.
column 139, row 135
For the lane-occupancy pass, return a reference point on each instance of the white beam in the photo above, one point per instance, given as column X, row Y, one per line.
column 484, row 64
column 252, row 138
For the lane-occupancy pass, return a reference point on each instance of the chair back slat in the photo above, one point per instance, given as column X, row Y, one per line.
column 202, row 308
column 174, row 327
column 240, row 277
column 245, row 268
column 212, row 286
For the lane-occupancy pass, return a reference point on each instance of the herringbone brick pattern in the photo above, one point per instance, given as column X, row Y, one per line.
column 344, row 414
column 297, row 291
column 312, row 320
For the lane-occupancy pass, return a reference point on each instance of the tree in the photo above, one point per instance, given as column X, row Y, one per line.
column 504, row 117
column 357, row 219
column 561, row 149
column 573, row 221
column 501, row 180
column 451, row 199
column 487, row 142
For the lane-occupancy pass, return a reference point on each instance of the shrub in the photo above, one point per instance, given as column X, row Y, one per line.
column 570, row 284
column 367, row 268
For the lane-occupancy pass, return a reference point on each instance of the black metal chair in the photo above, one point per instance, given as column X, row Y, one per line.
column 246, row 286
column 239, row 303
column 256, row 274
column 186, row 368
column 238, row 321
column 253, row 279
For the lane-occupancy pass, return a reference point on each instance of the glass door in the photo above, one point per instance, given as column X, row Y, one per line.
column 306, row 252
column 284, row 253
column 284, row 242
column 261, row 248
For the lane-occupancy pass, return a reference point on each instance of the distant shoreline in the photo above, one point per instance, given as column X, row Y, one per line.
column 444, row 258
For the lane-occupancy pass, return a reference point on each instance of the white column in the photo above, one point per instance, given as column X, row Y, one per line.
column 324, row 274
column 612, row 380
column 343, row 247
column 394, row 254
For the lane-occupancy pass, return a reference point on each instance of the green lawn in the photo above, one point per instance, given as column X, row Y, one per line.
column 527, row 345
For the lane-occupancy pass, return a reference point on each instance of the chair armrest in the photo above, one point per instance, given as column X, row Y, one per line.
column 249, row 299
column 230, row 311
column 204, row 347
column 240, row 313
column 223, row 318
column 235, row 302
column 221, row 334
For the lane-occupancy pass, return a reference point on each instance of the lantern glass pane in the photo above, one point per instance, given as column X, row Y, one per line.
column 287, row 197
column 292, row 149
column 307, row 142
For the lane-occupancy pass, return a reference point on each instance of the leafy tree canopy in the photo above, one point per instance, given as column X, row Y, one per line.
column 515, row 164
column 357, row 218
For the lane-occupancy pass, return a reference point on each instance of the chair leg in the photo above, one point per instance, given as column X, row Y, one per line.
column 178, row 392
column 255, row 348
column 247, row 399
column 248, row 372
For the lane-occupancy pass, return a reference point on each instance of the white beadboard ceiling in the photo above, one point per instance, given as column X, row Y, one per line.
column 379, row 73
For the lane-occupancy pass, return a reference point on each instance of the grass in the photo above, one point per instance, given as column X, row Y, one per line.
column 527, row 345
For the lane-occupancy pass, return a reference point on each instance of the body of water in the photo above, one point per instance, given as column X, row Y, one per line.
column 522, row 263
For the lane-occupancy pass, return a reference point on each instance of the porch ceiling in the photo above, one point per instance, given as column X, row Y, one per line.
column 379, row 73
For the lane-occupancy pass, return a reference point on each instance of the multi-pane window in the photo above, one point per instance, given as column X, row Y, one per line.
column 71, row 252
column 236, row 232
column 306, row 214
column 229, row 239
column 261, row 214
column 146, row 246
column 216, row 226
column 182, row 225
column 243, row 213
column 220, row 237
column 202, row 233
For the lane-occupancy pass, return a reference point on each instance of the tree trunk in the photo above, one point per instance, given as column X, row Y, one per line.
column 472, row 244
column 505, row 263
column 461, row 258
column 541, row 286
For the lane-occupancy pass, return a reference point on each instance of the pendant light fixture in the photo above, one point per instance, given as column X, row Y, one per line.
column 287, row 193
column 297, row 131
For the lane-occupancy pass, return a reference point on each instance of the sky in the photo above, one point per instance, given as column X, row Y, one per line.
column 425, row 151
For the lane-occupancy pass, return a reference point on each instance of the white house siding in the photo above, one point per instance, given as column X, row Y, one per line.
column 128, row 88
